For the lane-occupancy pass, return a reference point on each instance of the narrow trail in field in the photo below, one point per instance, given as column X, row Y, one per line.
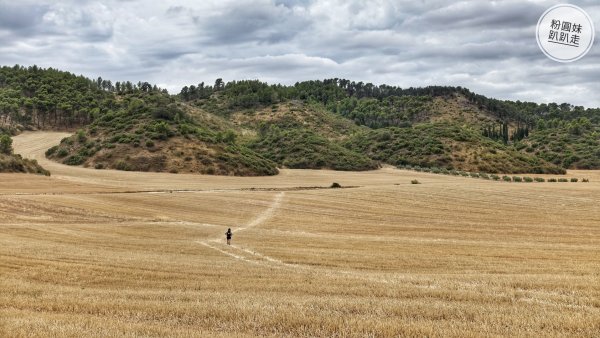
column 256, row 258
column 252, row 257
column 215, row 243
column 265, row 215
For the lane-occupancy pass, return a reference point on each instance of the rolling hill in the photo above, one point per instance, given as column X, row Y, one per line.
column 250, row 128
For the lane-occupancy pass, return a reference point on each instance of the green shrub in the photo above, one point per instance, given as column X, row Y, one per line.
column 162, row 130
column 484, row 176
column 517, row 179
column 552, row 180
column 122, row 165
column 574, row 179
column 62, row 152
column 125, row 138
column 81, row 136
column 335, row 185
column 51, row 151
column 149, row 143
column 99, row 166
column 74, row 160
column 474, row 175
column 464, row 173
column 506, row 178
column 415, row 182
column 540, row 179
column 5, row 144
column 495, row 177
column 527, row 179
column 228, row 136
column 563, row 180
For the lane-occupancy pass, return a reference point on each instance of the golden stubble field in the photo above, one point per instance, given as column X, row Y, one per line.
column 106, row 253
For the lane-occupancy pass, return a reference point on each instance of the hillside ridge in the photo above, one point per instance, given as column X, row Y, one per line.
column 250, row 128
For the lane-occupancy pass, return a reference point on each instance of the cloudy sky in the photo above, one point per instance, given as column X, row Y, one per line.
column 489, row 47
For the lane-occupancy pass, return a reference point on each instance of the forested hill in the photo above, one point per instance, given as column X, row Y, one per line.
column 121, row 126
column 251, row 128
column 436, row 126
column 49, row 99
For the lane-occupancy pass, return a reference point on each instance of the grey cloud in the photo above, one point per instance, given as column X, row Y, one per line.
column 176, row 10
column 91, row 22
column 488, row 47
column 473, row 52
column 292, row 3
column 260, row 23
column 21, row 18
column 479, row 15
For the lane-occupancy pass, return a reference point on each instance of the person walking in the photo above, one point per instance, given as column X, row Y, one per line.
column 228, row 235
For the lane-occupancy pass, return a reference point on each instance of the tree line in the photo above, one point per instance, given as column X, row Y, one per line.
column 385, row 105
column 50, row 98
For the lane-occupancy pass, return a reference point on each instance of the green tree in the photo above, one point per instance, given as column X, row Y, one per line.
column 219, row 84
column 5, row 144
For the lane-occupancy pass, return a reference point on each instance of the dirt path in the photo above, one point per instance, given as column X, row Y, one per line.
column 216, row 243
column 265, row 215
column 251, row 256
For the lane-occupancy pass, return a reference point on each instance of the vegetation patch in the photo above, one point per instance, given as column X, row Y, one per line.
column 304, row 149
column 14, row 163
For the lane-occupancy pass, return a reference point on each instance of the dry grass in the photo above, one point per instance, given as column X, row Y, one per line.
column 103, row 253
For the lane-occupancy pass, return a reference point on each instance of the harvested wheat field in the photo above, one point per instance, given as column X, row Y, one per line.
column 106, row 253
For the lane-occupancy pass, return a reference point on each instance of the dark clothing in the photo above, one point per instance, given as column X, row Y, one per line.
column 228, row 234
